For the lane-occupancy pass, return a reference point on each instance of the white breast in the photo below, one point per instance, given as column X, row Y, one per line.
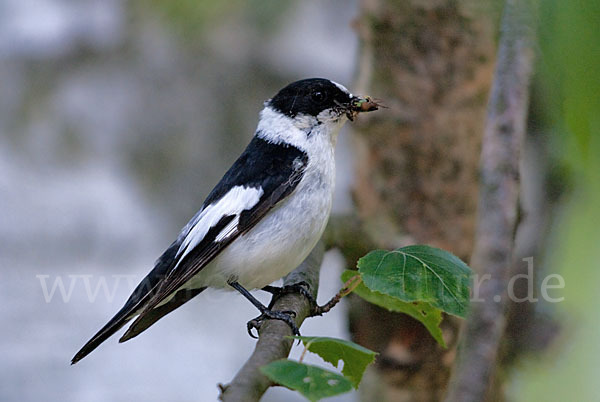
column 287, row 234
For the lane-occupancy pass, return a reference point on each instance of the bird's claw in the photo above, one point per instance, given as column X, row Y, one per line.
column 299, row 287
column 285, row 316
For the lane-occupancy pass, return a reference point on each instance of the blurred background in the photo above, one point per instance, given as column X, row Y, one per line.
column 116, row 120
column 117, row 117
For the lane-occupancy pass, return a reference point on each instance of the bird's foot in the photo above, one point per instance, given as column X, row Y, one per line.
column 267, row 314
column 300, row 287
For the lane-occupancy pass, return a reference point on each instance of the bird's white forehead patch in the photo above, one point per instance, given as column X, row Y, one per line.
column 238, row 199
column 341, row 87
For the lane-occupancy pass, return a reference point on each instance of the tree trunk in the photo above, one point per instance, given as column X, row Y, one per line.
column 431, row 62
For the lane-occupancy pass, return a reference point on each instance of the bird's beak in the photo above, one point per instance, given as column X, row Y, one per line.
column 360, row 104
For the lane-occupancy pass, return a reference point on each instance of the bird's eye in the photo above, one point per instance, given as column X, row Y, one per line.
column 318, row 96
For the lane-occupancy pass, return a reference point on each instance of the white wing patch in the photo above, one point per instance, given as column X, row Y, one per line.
column 238, row 199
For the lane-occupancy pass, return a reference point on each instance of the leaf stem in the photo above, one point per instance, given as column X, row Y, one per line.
column 348, row 287
column 303, row 353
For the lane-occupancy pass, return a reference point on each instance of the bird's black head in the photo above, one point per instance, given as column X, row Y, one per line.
column 311, row 97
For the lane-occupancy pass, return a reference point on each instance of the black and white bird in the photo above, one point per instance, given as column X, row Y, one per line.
column 262, row 219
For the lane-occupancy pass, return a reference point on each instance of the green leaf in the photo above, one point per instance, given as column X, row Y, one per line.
column 428, row 315
column 356, row 358
column 419, row 273
column 311, row 381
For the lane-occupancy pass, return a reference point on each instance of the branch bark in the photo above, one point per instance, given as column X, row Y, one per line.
column 498, row 203
column 249, row 384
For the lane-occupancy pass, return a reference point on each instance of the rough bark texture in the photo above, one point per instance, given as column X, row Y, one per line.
column 431, row 62
column 249, row 384
column 498, row 206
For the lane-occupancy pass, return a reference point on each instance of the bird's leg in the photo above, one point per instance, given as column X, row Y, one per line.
column 265, row 312
column 300, row 287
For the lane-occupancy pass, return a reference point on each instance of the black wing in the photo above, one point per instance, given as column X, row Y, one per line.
column 276, row 168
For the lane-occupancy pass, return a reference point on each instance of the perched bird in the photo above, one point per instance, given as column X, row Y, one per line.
column 262, row 219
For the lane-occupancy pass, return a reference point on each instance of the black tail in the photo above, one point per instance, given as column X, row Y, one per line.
column 142, row 323
column 145, row 320
column 110, row 328
column 135, row 302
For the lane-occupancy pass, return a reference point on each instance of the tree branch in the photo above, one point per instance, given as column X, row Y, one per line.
column 498, row 203
column 249, row 384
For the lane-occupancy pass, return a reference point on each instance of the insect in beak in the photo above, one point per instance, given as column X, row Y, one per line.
column 362, row 104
